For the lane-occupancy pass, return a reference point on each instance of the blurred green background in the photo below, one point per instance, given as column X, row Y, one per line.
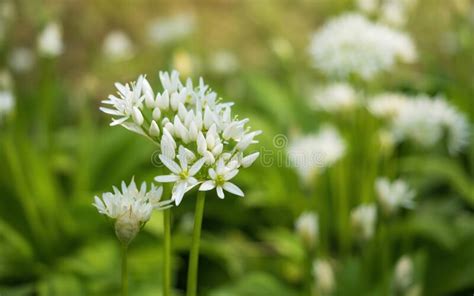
column 57, row 150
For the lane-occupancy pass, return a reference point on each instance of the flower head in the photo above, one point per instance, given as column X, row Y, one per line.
column 200, row 141
column 352, row 44
column 307, row 227
column 324, row 275
column 394, row 195
column 131, row 207
column 311, row 153
column 363, row 220
column 50, row 42
column 335, row 97
column 117, row 46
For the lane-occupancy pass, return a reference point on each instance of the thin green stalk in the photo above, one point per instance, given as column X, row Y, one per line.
column 194, row 253
column 167, row 253
column 124, row 270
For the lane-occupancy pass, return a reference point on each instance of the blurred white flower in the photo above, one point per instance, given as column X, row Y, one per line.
column 335, row 97
column 307, row 227
column 21, row 59
column 223, row 62
column 211, row 142
column 367, row 6
column 282, row 47
column 130, row 208
column 324, row 275
column 351, row 44
column 393, row 13
column 387, row 105
column 7, row 103
column 166, row 30
column 363, row 220
column 425, row 120
column 404, row 273
column 394, row 195
column 309, row 153
column 50, row 40
column 117, row 46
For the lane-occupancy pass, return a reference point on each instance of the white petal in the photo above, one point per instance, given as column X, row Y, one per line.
column 166, row 178
column 178, row 192
column 170, row 164
column 232, row 188
column 207, row 185
column 196, row 166
column 220, row 192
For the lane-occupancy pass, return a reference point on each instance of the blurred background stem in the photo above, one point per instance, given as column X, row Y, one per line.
column 194, row 252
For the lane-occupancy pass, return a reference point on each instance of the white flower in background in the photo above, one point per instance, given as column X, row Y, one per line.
column 363, row 220
column 117, row 46
column 131, row 208
column 394, row 195
column 50, row 41
column 185, row 62
column 170, row 29
column 425, row 120
column 404, row 273
column 7, row 103
column 324, row 276
column 387, row 105
column 21, row 59
column 310, row 153
column 335, row 97
column 393, row 13
column 282, row 47
column 352, row 44
column 367, row 6
column 211, row 143
column 223, row 62
column 307, row 227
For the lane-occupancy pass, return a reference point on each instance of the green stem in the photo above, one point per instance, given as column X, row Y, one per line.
column 167, row 253
column 194, row 253
column 124, row 270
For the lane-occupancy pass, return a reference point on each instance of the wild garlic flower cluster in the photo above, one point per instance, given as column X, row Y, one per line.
column 363, row 220
column 335, row 97
column 352, row 44
column 312, row 153
column 7, row 103
column 324, row 276
column 391, row 12
column 422, row 119
column 50, row 40
column 130, row 208
column 394, row 195
column 200, row 141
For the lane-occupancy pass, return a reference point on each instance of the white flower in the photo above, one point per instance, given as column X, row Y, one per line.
column 335, row 97
column 191, row 119
column 220, row 178
column 367, row 6
column 395, row 195
column 223, row 62
column 387, row 105
column 131, row 208
column 50, row 43
column 182, row 174
column 363, row 220
column 117, row 46
column 324, row 274
column 21, row 59
column 351, row 44
column 307, row 227
column 404, row 273
column 166, row 30
column 425, row 121
column 316, row 151
column 7, row 103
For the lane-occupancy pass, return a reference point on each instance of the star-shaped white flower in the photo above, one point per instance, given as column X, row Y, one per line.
column 182, row 174
column 220, row 180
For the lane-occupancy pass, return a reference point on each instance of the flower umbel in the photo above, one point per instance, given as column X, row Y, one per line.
column 394, row 195
column 199, row 139
column 130, row 208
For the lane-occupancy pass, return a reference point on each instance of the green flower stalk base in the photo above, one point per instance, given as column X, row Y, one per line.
column 194, row 253
column 167, row 253
column 124, row 270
